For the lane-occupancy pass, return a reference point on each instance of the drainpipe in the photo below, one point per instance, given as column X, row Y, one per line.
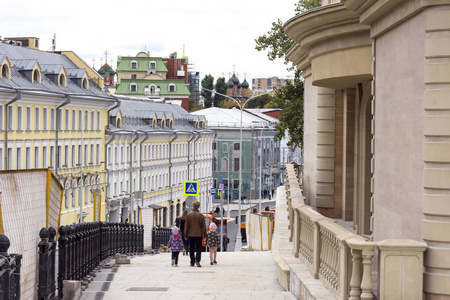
column 110, row 140
column 16, row 98
column 140, row 170
column 170, row 173
column 195, row 163
column 189, row 155
column 58, row 117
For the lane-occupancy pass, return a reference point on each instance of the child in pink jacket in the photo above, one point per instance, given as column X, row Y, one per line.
column 176, row 244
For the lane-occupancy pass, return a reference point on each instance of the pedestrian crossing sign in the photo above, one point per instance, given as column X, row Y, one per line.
column 190, row 188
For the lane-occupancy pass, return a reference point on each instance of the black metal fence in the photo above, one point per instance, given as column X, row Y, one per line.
column 81, row 248
column 9, row 271
column 160, row 236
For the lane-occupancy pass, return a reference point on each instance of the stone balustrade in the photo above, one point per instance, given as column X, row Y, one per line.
column 343, row 261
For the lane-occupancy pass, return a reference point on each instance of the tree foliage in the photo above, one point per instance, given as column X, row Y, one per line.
column 260, row 101
column 221, row 87
column 290, row 99
column 207, row 83
column 290, row 96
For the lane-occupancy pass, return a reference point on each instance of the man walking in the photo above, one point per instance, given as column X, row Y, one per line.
column 195, row 230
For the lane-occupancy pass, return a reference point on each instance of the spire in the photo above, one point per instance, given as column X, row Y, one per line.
column 183, row 51
column 93, row 63
column 106, row 56
column 234, row 68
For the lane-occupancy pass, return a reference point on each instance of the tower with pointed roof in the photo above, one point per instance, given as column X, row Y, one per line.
column 108, row 73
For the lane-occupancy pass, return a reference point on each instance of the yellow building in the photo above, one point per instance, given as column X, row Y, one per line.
column 152, row 148
column 52, row 115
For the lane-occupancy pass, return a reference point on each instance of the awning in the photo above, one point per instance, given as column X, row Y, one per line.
column 154, row 206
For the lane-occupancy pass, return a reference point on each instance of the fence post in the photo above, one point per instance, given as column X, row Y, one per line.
column 52, row 242
column 63, row 259
column 44, row 286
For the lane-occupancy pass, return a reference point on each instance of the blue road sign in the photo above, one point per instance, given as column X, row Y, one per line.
column 190, row 188
column 213, row 191
column 220, row 177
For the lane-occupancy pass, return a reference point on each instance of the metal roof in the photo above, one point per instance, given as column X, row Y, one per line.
column 231, row 118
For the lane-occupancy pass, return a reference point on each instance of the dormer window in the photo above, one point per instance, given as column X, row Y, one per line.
column 84, row 84
column 171, row 124
column 62, row 80
column 133, row 64
column 36, row 76
column 133, row 87
column 6, row 71
column 172, row 87
column 152, row 65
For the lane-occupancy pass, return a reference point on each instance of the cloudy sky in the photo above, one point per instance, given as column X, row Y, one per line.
column 216, row 34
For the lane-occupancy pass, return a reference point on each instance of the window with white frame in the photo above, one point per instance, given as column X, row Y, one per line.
column 74, row 119
column 134, row 64
column 27, row 158
column 10, row 117
column 45, row 118
column 92, row 120
column 91, row 161
column 10, row 158
column 85, row 155
column 52, row 118
column 98, row 120
column 19, row 117
column 1, row 117
column 74, row 161
column 52, row 155
column 19, row 158
column 86, row 120
column 36, row 118
column 133, row 87
column 172, row 87
column 66, row 156
column 152, row 64
column 58, row 162
column 36, row 157
column 97, row 157
column 80, row 119
column 66, row 121
column 59, row 119
column 80, row 153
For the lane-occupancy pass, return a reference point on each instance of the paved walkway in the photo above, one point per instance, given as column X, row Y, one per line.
column 238, row 275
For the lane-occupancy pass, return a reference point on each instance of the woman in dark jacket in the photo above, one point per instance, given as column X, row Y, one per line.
column 179, row 222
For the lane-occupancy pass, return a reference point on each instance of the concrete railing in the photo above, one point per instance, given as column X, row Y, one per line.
column 343, row 261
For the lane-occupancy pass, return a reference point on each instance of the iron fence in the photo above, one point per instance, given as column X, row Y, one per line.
column 9, row 271
column 160, row 236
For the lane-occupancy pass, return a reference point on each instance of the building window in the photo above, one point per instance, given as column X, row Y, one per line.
column 74, row 119
column 1, row 118
column 236, row 146
column 98, row 120
column 59, row 119
column 133, row 87
column 45, row 118
column 80, row 119
column 9, row 111
column 84, row 84
column 36, row 76
column 28, row 118
column 80, row 152
column 86, row 120
column 19, row 158
column 52, row 118
column 73, row 156
column 66, row 157
column 152, row 65
column 172, row 87
column 92, row 120
column 133, row 64
column 236, row 164
column 19, row 117
column 98, row 155
column 62, row 80
column 66, row 121
column 92, row 155
column 58, row 162
column 214, row 146
column 36, row 118
column 133, row 76
column 85, row 155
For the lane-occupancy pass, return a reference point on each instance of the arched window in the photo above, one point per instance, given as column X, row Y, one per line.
column 224, row 164
column 152, row 64
column 172, row 87
column 5, row 71
column 133, row 87
column 84, row 83
column 62, row 80
column 36, row 76
column 133, row 64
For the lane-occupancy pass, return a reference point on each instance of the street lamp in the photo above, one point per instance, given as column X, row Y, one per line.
column 238, row 244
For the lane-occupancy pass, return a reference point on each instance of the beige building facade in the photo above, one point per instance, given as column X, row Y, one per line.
column 377, row 125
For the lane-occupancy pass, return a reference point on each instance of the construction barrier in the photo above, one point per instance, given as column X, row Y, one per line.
column 259, row 232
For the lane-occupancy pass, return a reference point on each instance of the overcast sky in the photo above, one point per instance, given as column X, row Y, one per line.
column 216, row 34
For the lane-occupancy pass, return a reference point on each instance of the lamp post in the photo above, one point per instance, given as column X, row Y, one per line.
column 238, row 245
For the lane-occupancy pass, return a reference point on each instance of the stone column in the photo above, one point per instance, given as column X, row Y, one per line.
column 436, row 173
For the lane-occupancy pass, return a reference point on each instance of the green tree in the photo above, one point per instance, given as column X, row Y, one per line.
column 290, row 99
column 276, row 42
column 260, row 101
column 207, row 83
column 290, row 96
column 221, row 87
